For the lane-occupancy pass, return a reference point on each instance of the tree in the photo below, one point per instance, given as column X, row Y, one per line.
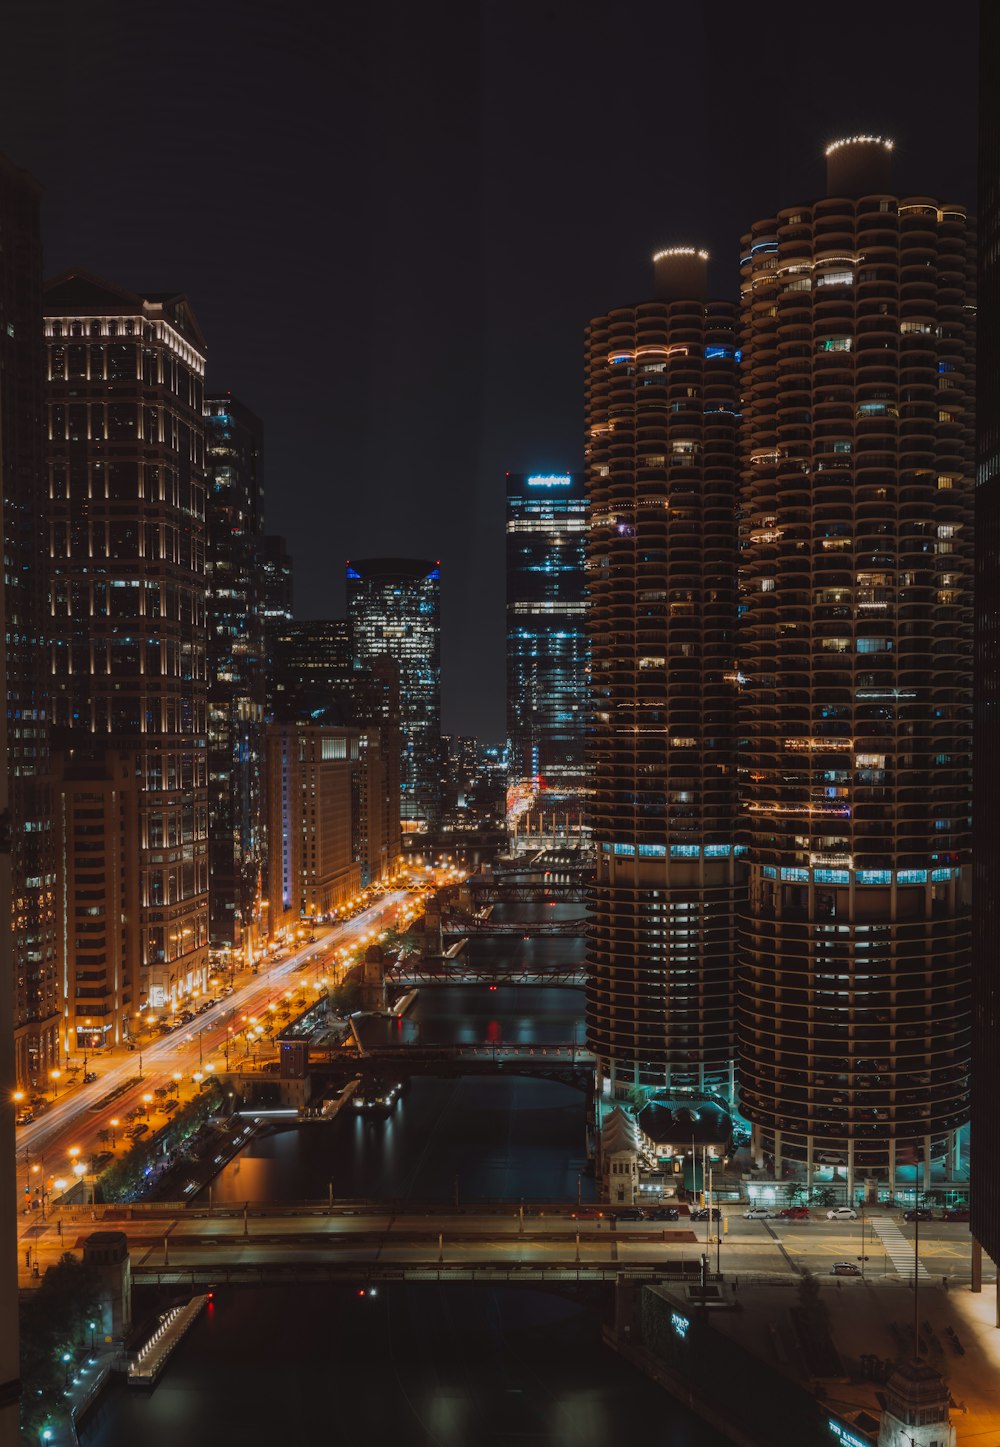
column 814, row 1309
column 53, row 1320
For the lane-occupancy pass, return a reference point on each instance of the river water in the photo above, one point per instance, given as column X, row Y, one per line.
column 419, row 1365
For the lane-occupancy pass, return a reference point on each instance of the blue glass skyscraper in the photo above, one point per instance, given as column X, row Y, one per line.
column 547, row 648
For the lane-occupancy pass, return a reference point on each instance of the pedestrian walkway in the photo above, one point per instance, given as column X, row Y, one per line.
column 147, row 1364
column 897, row 1248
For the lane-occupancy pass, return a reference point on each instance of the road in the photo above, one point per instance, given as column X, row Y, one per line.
column 75, row 1118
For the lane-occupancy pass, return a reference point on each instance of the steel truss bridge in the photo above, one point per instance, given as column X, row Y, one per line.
column 459, row 973
column 459, row 925
column 569, row 1064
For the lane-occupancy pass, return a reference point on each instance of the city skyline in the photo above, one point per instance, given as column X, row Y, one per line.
column 511, row 245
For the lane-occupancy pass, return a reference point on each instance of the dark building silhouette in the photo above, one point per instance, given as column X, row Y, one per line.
column 236, row 675
column 34, row 978
column 662, row 421
column 394, row 605
column 275, row 588
column 856, row 566
column 127, row 481
column 547, row 645
column 986, row 814
column 312, row 663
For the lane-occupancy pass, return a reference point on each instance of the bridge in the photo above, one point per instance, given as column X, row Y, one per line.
column 485, row 890
column 462, row 924
column 569, row 1064
column 458, row 973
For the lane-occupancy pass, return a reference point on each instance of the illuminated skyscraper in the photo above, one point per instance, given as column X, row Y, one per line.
column 547, row 647
column 986, row 817
column 394, row 606
column 236, row 673
column 127, row 481
column 661, row 452
column 856, row 502
column 34, row 974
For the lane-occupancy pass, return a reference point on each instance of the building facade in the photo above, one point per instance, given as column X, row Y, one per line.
column 662, row 417
column 236, row 677
column 312, row 663
column 34, row 978
column 394, row 605
column 547, row 646
column 128, row 626
column 856, row 503
column 986, row 831
column 311, row 865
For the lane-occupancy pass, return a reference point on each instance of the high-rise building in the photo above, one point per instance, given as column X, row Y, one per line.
column 662, row 424
column 312, row 664
column 395, row 609
column 856, row 505
column 236, row 675
column 547, row 647
column 34, row 976
column 311, row 867
column 275, row 589
column 128, row 628
column 986, row 816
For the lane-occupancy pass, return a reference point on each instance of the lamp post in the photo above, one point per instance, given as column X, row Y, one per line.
column 55, row 1076
column 114, row 1123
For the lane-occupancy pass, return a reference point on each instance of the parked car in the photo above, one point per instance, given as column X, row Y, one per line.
column 700, row 1213
column 662, row 1213
column 795, row 1213
column 919, row 1213
column 136, row 1131
column 25, row 1117
column 757, row 1213
column 845, row 1268
column 98, row 1162
column 842, row 1213
column 959, row 1213
column 587, row 1213
column 630, row 1213
column 90, row 1077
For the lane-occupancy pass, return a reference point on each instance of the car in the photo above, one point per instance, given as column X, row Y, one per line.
column 795, row 1213
column 588, row 1213
column 700, row 1213
column 920, row 1213
column 842, row 1213
column 24, row 1118
column 845, row 1268
column 959, row 1213
column 136, row 1131
column 630, row 1213
column 757, row 1213
column 662, row 1213
column 98, row 1162
column 90, row 1077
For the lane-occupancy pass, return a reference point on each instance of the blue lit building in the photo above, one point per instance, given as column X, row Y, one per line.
column 394, row 605
column 547, row 648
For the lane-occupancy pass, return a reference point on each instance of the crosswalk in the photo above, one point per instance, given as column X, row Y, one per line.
column 897, row 1248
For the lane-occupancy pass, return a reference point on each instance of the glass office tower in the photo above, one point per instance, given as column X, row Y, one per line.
column 547, row 647
column 236, row 674
column 856, row 649
column 394, row 605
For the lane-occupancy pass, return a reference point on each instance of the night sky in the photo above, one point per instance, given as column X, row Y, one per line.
column 394, row 220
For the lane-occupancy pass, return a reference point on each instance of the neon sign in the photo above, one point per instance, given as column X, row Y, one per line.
column 680, row 1324
column 557, row 479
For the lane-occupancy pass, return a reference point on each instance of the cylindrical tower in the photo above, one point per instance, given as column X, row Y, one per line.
column 661, row 449
column 856, row 496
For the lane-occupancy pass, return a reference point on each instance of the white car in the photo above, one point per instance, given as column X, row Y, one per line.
column 842, row 1213
column 757, row 1213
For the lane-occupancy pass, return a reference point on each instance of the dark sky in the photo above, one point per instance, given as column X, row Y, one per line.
column 394, row 219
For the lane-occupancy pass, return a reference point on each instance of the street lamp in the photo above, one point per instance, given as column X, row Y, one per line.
column 147, row 1101
column 114, row 1123
column 55, row 1076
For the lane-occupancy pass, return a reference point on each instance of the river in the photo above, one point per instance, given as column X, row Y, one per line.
column 418, row 1365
